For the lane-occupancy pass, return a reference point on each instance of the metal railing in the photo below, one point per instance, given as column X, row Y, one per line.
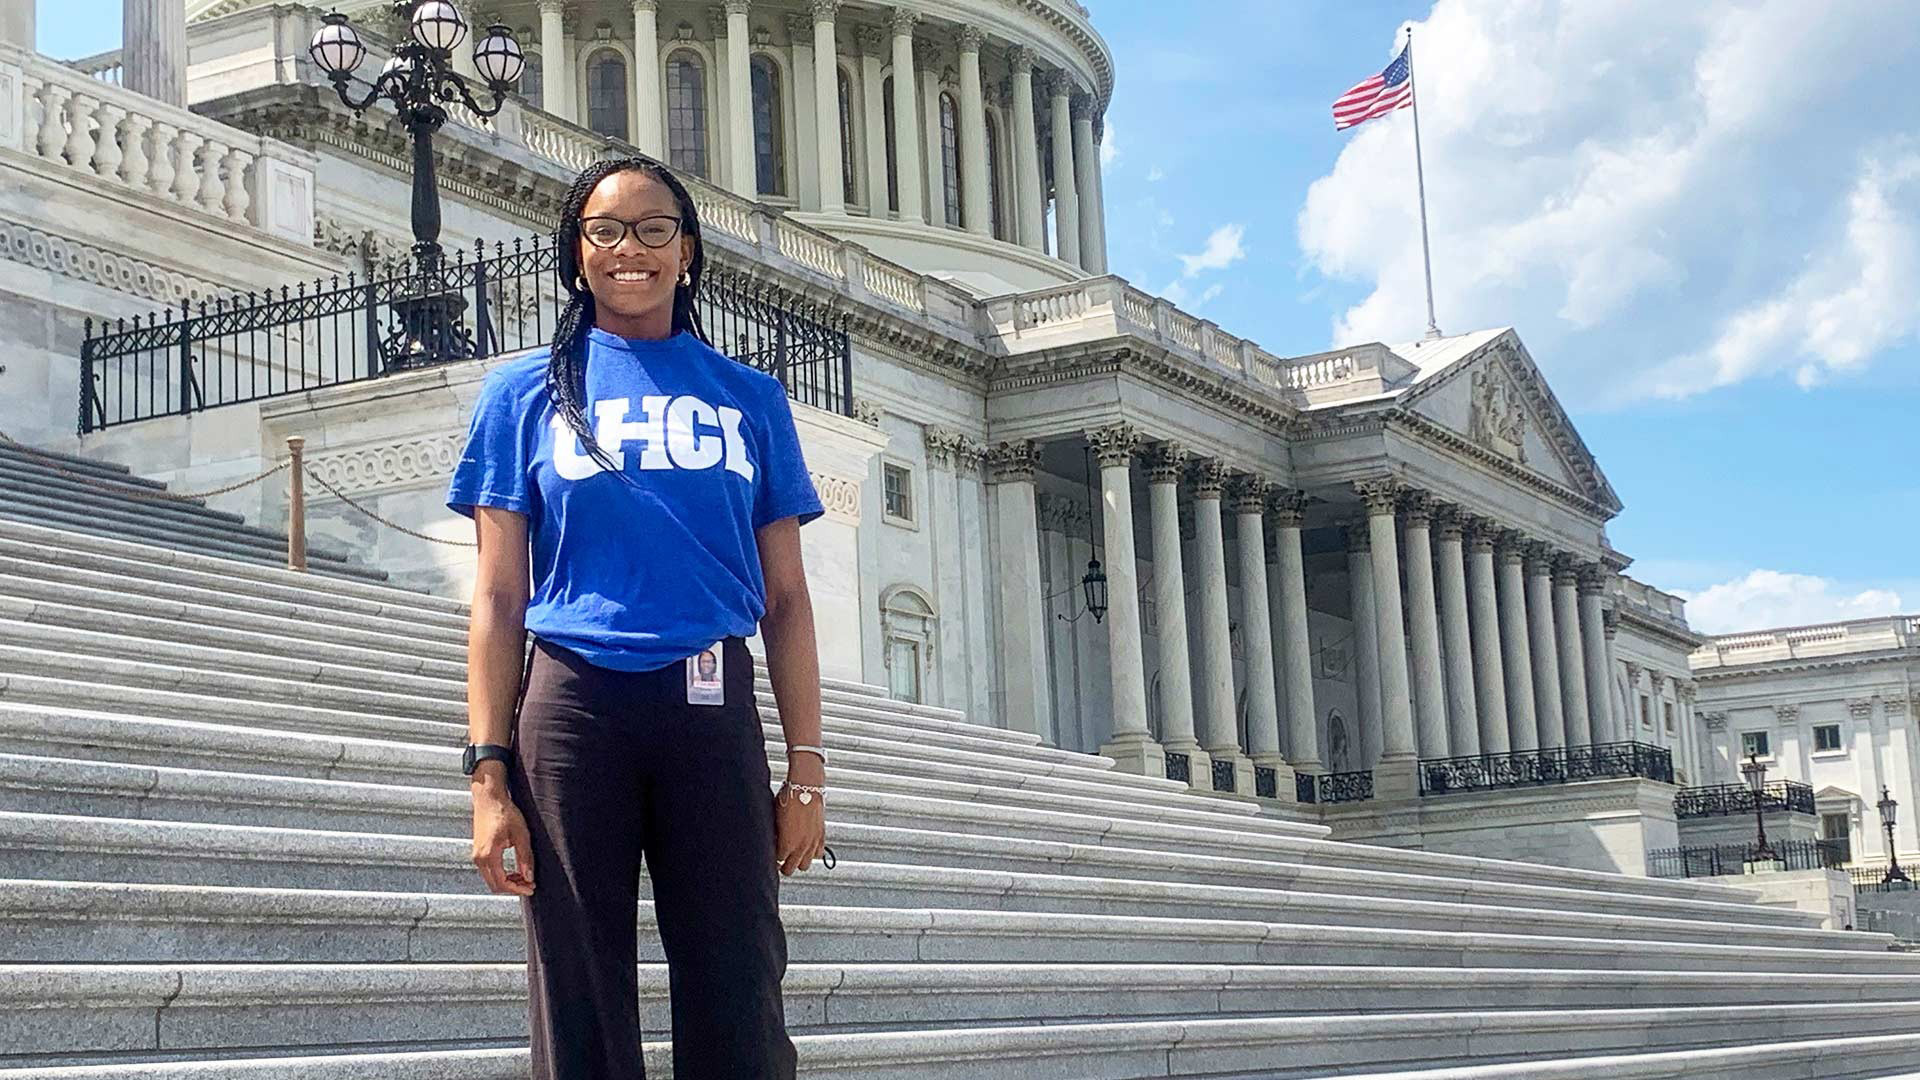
column 1722, row 800
column 1874, row 879
column 1556, row 765
column 1328, row 789
column 252, row 346
column 1716, row 860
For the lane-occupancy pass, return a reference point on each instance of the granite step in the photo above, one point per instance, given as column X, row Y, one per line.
column 72, row 848
column 25, row 473
column 75, row 1014
column 122, row 517
column 894, row 823
column 84, row 524
column 80, row 463
column 1279, row 1048
column 52, row 921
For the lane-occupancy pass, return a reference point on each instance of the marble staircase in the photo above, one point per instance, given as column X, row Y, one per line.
column 233, row 844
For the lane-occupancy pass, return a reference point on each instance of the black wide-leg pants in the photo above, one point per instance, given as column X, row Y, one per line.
column 612, row 767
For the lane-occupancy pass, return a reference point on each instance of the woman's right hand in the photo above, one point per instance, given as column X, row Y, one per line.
column 497, row 826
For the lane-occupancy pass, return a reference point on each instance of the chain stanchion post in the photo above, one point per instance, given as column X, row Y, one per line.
column 297, row 506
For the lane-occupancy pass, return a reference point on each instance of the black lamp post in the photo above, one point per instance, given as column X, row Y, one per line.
column 417, row 79
column 1887, row 807
column 1093, row 583
column 1755, row 773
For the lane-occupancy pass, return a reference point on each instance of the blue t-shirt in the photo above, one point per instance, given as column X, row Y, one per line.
column 634, row 576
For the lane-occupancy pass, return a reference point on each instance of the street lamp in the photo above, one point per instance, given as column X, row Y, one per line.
column 1755, row 773
column 417, row 80
column 1887, row 808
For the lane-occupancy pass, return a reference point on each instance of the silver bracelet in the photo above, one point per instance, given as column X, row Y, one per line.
column 808, row 749
column 806, row 792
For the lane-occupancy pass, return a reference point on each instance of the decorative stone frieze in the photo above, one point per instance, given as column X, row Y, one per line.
column 1715, row 721
column 1068, row 516
column 840, row 497
column 1497, row 420
column 1860, row 708
column 369, row 468
column 33, row 247
column 1787, row 714
column 867, row 411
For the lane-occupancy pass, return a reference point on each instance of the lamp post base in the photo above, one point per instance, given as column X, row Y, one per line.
column 427, row 330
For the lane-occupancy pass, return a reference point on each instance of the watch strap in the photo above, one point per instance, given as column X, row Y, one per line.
column 479, row 752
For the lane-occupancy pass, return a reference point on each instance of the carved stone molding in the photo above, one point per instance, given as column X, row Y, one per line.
column 1286, row 508
column 1165, row 461
column 867, row 411
column 1417, row 508
column 1860, row 708
column 369, row 468
column 1114, row 444
column 840, row 496
column 1895, row 707
column 1787, row 714
column 1688, row 690
column 825, row 10
column 1068, row 516
column 1481, row 534
column 902, row 19
column 1020, row 60
column 1609, row 622
column 1497, row 420
column 1715, row 721
column 1540, row 556
column 971, row 37
column 1381, row 495
column 29, row 246
column 1014, row 461
column 1247, row 494
column 1208, row 476
column 1633, row 673
column 942, row 444
column 872, row 40
column 1449, row 522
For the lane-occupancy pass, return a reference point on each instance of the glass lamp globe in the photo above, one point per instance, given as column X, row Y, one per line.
column 335, row 46
column 438, row 25
column 396, row 67
column 498, row 57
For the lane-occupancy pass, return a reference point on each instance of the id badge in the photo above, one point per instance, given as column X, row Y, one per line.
column 706, row 677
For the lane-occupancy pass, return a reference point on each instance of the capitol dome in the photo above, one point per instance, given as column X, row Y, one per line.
column 981, row 166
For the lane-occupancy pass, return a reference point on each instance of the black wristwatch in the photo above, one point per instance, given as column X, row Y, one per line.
column 479, row 752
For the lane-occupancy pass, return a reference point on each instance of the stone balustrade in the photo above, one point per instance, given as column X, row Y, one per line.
column 1803, row 642
column 72, row 119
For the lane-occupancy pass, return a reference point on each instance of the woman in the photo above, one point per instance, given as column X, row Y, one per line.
column 652, row 490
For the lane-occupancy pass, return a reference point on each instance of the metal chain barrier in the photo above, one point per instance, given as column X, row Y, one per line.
column 336, row 493
column 133, row 491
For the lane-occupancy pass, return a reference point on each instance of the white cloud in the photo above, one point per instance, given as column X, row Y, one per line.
column 1109, row 147
column 1175, row 292
column 1223, row 250
column 1213, row 290
column 1155, row 175
column 1663, row 197
column 1766, row 599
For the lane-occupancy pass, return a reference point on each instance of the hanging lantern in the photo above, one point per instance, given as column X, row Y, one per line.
column 1094, row 586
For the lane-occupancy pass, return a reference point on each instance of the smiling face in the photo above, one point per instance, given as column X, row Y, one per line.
column 633, row 284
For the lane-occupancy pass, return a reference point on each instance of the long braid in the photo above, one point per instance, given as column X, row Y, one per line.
column 567, row 364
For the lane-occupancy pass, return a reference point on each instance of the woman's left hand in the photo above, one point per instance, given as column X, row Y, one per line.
column 800, row 829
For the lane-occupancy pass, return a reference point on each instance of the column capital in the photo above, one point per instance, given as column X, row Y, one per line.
column 1894, row 706
column 1417, row 505
column 1593, row 579
column 901, row 21
column 1380, row 494
column 825, row 10
column 1020, row 59
column 1481, row 533
column 1286, row 508
column 1510, row 544
column 942, row 444
column 1247, row 494
column 1686, row 688
column 1715, row 721
column 1059, row 83
column 738, row 7
column 1787, row 714
column 553, row 7
column 971, row 38
column 1165, row 462
column 1860, row 708
column 1012, row 461
column 1566, row 570
column 637, row 6
column 1080, row 105
column 872, row 40
column 1449, row 522
column 1207, row 476
column 800, row 28
column 1610, row 622
column 1539, row 555
column 1114, row 444
column 1633, row 673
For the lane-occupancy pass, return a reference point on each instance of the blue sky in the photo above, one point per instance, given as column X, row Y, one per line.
column 1703, row 219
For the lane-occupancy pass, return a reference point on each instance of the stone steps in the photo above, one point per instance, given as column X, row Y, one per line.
column 1282, row 1048
column 99, row 1012
column 873, row 820
column 19, row 472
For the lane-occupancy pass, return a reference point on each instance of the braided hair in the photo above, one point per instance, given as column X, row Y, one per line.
column 567, row 364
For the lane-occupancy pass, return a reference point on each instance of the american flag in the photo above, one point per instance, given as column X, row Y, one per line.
column 1377, row 95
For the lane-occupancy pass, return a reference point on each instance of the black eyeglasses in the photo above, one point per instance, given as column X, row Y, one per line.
column 605, row 232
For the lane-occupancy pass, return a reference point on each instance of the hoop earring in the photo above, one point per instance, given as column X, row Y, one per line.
column 686, row 280
column 579, row 283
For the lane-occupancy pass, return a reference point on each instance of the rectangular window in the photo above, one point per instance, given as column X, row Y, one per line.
column 1666, row 708
column 1646, row 712
column 1826, row 737
column 897, row 483
column 903, row 670
column 1754, row 744
column 1839, row 829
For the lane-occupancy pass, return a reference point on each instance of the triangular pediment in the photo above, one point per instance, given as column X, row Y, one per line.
column 1495, row 397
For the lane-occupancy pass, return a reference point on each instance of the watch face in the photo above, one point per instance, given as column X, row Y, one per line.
column 466, row 761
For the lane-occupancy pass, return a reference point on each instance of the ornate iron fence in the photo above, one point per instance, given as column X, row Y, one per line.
column 1715, row 860
column 1330, row 788
column 1874, row 879
column 255, row 345
column 1556, row 765
column 1721, row 800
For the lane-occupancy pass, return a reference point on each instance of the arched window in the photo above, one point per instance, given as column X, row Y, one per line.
column 950, row 154
column 994, row 215
column 607, row 93
column 909, row 626
column 848, row 189
column 769, row 143
column 529, row 85
column 687, row 112
column 893, row 153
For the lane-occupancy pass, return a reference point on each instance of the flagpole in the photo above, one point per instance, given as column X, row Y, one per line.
column 1420, row 178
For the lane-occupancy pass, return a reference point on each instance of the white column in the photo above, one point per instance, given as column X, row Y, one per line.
column 873, row 42
column 1617, row 705
column 17, row 26
column 1023, row 628
column 1218, row 732
column 1489, row 672
column 153, row 60
column 1164, row 463
column 1066, row 201
column 974, row 214
column 569, row 104
column 1366, row 648
column 1573, row 663
column 1396, row 775
column 1463, row 727
column 806, row 114
column 1095, row 200
column 554, row 69
column 1130, row 744
column 742, row 177
column 1523, row 730
column 648, row 115
column 906, row 118
column 1086, row 180
column 1249, row 499
column 1289, row 584
column 826, row 106
column 1429, row 684
column 1030, row 214
column 927, row 59
column 1543, row 646
column 1593, row 641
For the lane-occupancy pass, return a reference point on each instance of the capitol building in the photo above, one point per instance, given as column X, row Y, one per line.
column 1335, row 640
